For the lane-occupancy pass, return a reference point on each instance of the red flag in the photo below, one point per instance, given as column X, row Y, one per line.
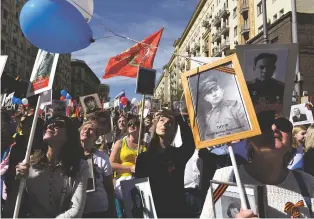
column 141, row 54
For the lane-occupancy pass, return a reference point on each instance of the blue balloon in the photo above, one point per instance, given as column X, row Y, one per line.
column 13, row 99
column 55, row 26
column 68, row 97
column 18, row 101
column 64, row 93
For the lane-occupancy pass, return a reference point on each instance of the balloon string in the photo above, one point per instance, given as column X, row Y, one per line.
column 133, row 40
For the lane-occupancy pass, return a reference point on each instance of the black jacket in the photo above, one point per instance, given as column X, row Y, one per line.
column 308, row 159
column 166, row 174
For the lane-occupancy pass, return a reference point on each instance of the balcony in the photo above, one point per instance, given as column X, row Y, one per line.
column 224, row 12
column 187, row 49
column 244, row 7
column 206, row 24
column 224, row 28
column 217, row 51
column 225, row 45
column 197, row 47
column 205, row 47
column 216, row 36
column 245, row 29
column 216, row 20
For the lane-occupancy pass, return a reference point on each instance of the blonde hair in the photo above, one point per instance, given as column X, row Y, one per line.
column 295, row 131
column 93, row 123
column 309, row 140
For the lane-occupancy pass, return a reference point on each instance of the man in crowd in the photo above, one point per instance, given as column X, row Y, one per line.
column 265, row 87
column 226, row 116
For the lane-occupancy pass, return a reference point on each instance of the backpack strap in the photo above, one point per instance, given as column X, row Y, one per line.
column 304, row 191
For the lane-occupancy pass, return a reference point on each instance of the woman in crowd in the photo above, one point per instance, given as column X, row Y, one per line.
column 56, row 178
column 309, row 151
column 268, row 155
column 99, row 203
column 124, row 153
column 165, row 165
column 298, row 140
column 121, row 129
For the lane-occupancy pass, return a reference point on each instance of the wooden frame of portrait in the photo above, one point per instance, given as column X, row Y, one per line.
column 245, row 96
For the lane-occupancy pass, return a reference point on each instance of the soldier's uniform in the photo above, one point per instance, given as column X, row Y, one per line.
column 270, row 90
column 228, row 117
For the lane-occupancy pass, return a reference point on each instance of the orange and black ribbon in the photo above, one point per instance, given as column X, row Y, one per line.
column 219, row 192
column 293, row 209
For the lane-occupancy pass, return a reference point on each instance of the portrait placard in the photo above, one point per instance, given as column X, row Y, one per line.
column 138, row 198
column 155, row 105
column 301, row 115
column 269, row 70
column 43, row 73
column 3, row 61
column 218, row 102
column 225, row 199
column 180, row 107
column 90, row 103
column 145, row 82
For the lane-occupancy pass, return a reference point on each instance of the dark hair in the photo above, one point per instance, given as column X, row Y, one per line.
column 88, row 98
column 71, row 152
column 270, row 56
column 231, row 206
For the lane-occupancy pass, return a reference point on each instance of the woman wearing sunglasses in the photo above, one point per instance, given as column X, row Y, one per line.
column 268, row 158
column 165, row 164
column 124, row 153
column 99, row 203
column 56, row 177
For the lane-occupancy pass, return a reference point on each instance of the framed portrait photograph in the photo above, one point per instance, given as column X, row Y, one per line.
column 43, row 73
column 269, row 71
column 218, row 102
column 180, row 106
column 90, row 103
column 301, row 115
column 138, row 198
column 155, row 105
column 225, row 199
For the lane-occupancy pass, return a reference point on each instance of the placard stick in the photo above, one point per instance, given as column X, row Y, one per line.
column 141, row 126
column 237, row 178
column 26, row 159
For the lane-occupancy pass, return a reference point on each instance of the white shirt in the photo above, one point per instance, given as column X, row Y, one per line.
column 98, row 201
column 192, row 174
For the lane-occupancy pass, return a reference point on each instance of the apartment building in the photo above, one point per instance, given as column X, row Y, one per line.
column 22, row 54
column 217, row 26
column 84, row 80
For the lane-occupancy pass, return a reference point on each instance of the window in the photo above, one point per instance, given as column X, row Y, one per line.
column 260, row 29
column 275, row 17
column 235, row 30
column 17, row 15
column 234, row 12
column 281, row 12
column 4, row 28
column 274, row 40
column 15, row 28
column 5, row 14
column 259, row 8
column 22, row 46
column 14, row 41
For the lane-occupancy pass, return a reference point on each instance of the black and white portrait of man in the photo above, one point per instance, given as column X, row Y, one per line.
column 90, row 103
column 264, row 86
column 45, row 65
column 233, row 209
column 298, row 116
column 220, row 110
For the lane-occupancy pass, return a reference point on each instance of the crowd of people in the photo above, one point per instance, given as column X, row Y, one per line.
column 58, row 182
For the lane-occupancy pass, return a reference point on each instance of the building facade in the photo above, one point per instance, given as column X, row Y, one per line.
column 103, row 92
column 217, row 27
column 83, row 80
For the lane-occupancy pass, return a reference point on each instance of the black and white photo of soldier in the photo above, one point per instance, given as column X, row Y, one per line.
column 226, row 115
column 233, row 209
column 91, row 105
column 298, row 116
column 45, row 66
column 265, row 87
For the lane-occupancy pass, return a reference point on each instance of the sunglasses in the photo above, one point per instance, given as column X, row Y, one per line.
column 284, row 125
column 133, row 124
column 55, row 124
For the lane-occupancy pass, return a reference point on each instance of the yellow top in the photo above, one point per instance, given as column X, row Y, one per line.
column 128, row 155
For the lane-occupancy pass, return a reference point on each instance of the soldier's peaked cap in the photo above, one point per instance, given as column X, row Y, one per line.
column 208, row 83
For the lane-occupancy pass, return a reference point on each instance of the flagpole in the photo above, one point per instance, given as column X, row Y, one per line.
column 141, row 126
